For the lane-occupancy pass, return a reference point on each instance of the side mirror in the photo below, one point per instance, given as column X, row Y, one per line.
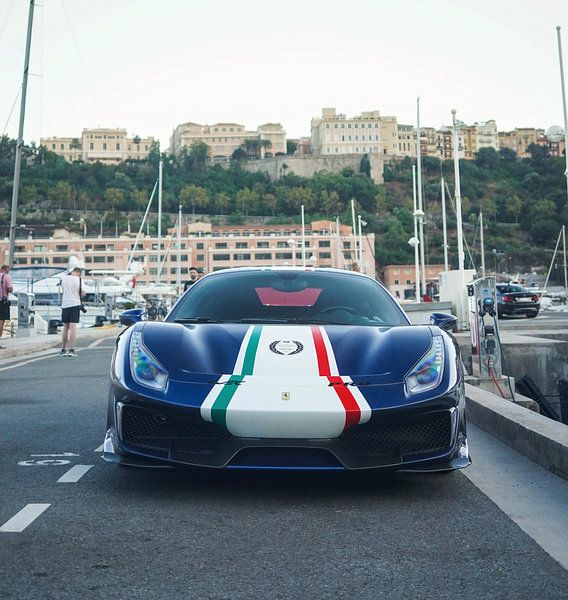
column 444, row 321
column 129, row 317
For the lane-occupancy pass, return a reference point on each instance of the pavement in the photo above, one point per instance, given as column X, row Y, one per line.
column 542, row 440
column 11, row 347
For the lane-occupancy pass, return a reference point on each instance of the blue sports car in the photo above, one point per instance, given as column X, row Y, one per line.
column 287, row 368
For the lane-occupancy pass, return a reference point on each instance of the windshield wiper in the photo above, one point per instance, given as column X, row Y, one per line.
column 197, row 320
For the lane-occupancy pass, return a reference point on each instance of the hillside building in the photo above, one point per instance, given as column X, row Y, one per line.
column 107, row 146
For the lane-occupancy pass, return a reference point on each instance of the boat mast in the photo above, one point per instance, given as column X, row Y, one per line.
column 159, row 221
column 20, row 142
column 178, row 270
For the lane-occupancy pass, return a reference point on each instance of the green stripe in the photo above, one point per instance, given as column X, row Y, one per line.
column 250, row 354
column 219, row 408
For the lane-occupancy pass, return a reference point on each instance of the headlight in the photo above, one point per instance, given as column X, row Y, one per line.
column 145, row 369
column 428, row 371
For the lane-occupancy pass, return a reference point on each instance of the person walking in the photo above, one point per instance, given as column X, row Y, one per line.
column 70, row 307
column 5, row 289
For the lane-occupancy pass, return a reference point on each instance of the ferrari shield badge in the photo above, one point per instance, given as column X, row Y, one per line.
column 285, row 396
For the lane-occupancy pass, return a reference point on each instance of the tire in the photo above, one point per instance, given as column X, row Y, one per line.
column 532, row 315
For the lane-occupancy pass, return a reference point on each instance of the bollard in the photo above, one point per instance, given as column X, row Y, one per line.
column 52, row 326
column 99, row 321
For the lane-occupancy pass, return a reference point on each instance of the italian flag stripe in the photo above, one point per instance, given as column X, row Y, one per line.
column 219, row 408
column 352, row 409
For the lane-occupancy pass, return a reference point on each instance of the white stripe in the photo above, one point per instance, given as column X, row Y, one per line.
column 25, row 517
column 330, row 355
column 100, row 448
column 238, row 368
column 74, row 474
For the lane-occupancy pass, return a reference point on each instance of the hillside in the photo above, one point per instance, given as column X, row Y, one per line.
column 523, row 201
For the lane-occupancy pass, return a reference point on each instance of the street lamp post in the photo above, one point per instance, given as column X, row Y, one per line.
column 414, row 240
column 457, row 194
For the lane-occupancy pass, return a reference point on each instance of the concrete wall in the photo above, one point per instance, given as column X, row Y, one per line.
column 307, row 166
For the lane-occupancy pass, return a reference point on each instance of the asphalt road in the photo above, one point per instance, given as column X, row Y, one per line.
column 114, row 532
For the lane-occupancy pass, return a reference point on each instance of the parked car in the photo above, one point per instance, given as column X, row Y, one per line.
column 515, row 299
column 287, row 368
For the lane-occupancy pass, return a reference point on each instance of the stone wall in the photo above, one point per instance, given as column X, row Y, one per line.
column 307, row 166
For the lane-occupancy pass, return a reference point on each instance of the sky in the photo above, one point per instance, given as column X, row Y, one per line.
column 148, row 66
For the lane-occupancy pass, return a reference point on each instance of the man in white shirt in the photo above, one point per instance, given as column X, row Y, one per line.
column 70, row 306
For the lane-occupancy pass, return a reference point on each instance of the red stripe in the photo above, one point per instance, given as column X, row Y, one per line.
column 321, row 352
column 352, row 410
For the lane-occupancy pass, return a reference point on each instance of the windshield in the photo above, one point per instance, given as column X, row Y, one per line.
column 288, row 297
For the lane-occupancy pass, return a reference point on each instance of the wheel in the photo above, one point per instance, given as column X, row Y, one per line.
column 532, row 315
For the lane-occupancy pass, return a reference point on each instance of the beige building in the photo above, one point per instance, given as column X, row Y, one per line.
column 520, row 139
column 109, row 146
column 224, row 138
column 366, row 133
column 400, row 280
column 203, row 245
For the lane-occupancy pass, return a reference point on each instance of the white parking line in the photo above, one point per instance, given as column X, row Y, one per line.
column 74, row 474
column 100, row 448
column 25, row 517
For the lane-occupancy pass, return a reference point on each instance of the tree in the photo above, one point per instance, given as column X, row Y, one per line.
column 239, row 154
column 365, row 166
column 487, row 158
column 291, row 147
column 195, row 196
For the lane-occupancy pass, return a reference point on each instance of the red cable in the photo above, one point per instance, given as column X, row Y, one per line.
column 495, row 381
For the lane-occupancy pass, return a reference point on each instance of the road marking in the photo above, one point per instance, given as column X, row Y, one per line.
column 96, row 342
column 32, row 360
column 100, row 448
column 52, row 455
column 25, row 517
column 46, row 462
column 74, row 474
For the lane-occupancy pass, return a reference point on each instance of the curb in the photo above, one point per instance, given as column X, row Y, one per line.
column 22, row 346
column 542, row 440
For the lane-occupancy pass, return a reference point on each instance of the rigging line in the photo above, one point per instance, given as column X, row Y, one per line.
column 11, row 110
column 463, row 234
column 84, row 69
column 7, row 19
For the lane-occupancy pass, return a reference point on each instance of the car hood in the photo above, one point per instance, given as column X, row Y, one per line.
column 205, row 352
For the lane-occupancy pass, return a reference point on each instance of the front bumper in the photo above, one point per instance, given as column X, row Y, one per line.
column 431, row 436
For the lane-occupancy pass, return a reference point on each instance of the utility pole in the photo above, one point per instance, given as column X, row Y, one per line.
column 420, row 206
column 20, row 141
column 457, row 196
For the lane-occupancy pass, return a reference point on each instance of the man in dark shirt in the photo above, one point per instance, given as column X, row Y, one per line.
column 193, row 277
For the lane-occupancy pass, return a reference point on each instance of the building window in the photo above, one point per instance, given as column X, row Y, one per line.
column 200, row 257
column 324, row 244
column 283, row 256
column 199, row 246
column 98, row 259
column 61, row 248
column 396, row 281
column 262, row 245
column 118, row 146
column 408, row 282
column 221, row 245
column 243, row 256
column 263, row 256
column 281, row 244
column 91, row 146
column 221, row 257
column 62, row 146
column 347, row 244
column 241, row 245
column 104, row 146
column 325, row 254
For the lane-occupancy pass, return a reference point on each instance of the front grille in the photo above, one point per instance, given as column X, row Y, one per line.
column 290, row 458
column 430, row 433
column 168, row 432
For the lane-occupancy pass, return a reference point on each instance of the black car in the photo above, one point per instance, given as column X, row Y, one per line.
column 515, row 299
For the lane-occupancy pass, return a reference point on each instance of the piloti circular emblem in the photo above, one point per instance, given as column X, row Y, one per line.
column 286, row 347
